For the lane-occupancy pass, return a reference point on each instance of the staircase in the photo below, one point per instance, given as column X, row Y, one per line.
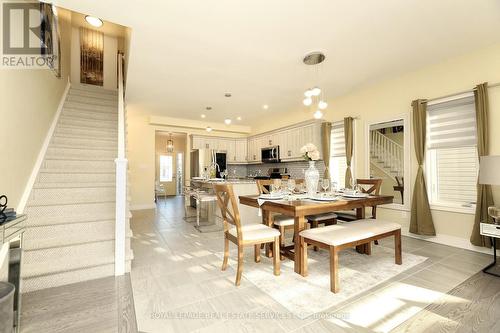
column 386, row 155
column 70, row 236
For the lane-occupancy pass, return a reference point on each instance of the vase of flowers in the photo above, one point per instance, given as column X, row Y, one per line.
column 311, row 175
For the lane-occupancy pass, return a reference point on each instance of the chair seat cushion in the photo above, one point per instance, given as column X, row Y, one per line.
column 343, row 233
column 283, row 220
column 252, row 232
column 321, row 217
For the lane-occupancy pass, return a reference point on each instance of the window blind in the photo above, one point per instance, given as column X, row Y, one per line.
column 452, row 124
column 337, row 142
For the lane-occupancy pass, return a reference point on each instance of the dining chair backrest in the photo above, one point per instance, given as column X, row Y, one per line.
column 400, row 181
column 376, row 184
column 228, row 207
column 264, row 185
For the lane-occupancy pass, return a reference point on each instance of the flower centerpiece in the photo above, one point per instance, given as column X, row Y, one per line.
column 311, row 175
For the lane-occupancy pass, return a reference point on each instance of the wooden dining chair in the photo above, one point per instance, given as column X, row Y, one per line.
column 374, row 188
column 280, row 222
column 243, row 235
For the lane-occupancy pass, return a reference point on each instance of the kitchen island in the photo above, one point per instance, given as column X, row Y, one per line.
column 248, row 215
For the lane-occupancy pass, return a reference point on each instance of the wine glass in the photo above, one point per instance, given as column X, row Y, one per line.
column 325, row 184
column 291, row 185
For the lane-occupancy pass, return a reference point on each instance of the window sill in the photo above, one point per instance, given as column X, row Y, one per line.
column 454, row 209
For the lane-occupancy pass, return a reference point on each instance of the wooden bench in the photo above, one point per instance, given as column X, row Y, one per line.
column 345, row 235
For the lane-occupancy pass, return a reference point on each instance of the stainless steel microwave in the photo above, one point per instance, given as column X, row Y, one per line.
column 270, row 154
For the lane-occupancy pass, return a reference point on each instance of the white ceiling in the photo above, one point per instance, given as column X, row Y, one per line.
column 186, row 54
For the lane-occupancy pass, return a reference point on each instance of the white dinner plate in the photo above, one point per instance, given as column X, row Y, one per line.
column 271, row 197
column 357, row 195
column 324, row 198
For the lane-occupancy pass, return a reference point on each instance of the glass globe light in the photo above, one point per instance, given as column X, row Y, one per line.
column 322, row 105
column 307, row 101
column 316, row 91
column 318, row 114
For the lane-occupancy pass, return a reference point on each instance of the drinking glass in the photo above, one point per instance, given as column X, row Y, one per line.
column 325, row 184
column 334, row 187
column 291, row 185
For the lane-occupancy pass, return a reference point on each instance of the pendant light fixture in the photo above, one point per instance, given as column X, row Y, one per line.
column 170, row 144
column 315, row 94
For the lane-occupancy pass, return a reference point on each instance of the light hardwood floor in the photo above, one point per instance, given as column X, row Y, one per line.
column 175, row 273
column 102, row 305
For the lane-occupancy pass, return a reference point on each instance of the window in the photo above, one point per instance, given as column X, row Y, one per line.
column 338, row 164
column 166, row 166
column 452, row 161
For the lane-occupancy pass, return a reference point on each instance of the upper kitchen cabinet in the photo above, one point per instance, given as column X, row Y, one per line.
column 248, row 150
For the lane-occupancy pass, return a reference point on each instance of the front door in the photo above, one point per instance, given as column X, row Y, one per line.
column 168, row 176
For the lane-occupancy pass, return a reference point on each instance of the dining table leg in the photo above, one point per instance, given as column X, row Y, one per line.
column 267, row 219
column 299, row 260
column 360, row 214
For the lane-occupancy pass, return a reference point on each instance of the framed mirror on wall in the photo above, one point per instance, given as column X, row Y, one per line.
column 388, row 150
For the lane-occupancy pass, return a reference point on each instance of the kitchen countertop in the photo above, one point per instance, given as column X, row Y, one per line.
column 230, row 181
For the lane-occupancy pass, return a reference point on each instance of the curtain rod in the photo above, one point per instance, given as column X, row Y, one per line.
column 460, row 93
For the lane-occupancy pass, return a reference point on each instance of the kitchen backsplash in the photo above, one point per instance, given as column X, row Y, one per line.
column 295, row 169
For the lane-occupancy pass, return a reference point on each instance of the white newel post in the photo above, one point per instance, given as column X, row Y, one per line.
column 121, row 214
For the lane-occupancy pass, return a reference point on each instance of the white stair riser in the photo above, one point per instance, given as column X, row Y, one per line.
column 68, row 234
column 83, row 166
column 92, row 95
column 84, row 143
column 94, row 101
column 61, row 279
column 75, row 177
column 80, row 154
column 52, row 196
column 66, row 214
column 61, row 259
column 95, row 115
column 98, row 133
column 91, row 107
column 68, row 121
column 93, row 88
column 72, row 185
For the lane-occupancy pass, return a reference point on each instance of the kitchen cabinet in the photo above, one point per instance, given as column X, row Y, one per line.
column 248, row 150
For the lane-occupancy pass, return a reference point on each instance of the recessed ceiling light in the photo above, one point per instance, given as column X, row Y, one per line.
column 265, row 106
column 94, row 21
column 239, row 118
column 209, row 129
column 227, row 121
column 318, row 114
column 208, row 108
column 227, row 94
column 203, row 116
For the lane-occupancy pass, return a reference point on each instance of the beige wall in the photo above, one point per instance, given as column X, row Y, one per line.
column 28, row 102
column 390, row 98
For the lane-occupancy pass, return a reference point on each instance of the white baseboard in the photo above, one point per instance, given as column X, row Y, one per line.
column 41, row 154
column 142, row 206
column 449, row 240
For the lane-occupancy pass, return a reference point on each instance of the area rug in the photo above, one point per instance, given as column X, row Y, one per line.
column 304, row 296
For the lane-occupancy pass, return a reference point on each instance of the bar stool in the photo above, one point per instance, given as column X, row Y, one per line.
column 188, row 193
column 202, row 197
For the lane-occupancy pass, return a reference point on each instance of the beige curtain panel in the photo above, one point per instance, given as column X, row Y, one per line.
column 348, row 135
column 421, row 219
column 484, row 194
column 326, row 133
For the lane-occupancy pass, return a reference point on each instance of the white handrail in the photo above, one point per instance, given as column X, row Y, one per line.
column 388, row 152
column 121, row 179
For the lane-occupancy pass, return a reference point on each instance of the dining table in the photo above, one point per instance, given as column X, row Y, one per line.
column 299, row 209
